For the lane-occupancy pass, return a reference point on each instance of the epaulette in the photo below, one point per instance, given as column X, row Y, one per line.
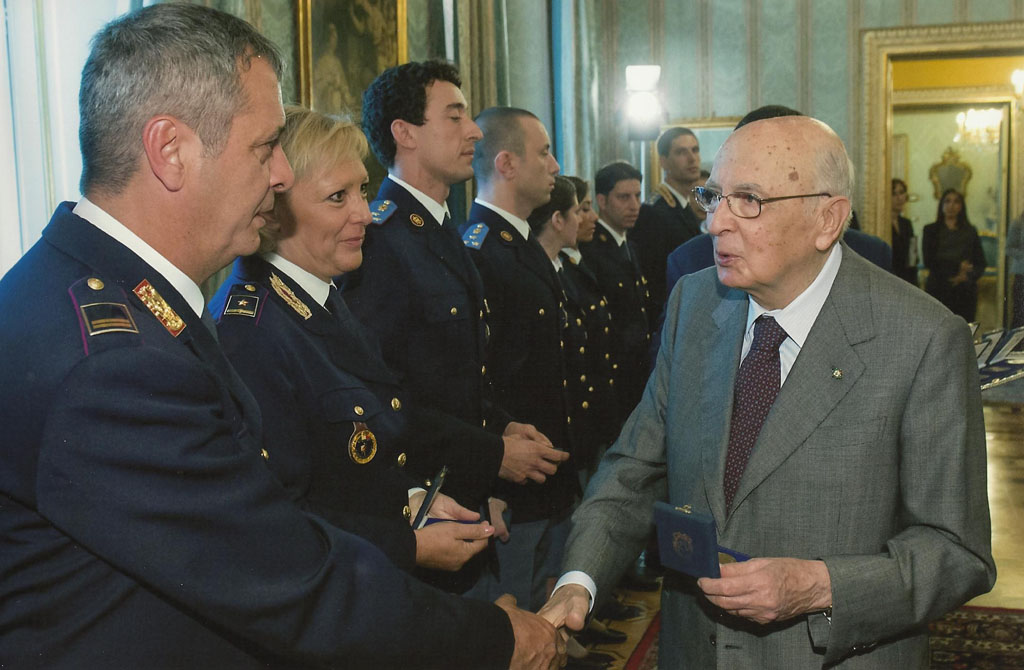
column 102, row 309
column 475, row 235
column 381, row 210
column 665, row 193
column 243, row 300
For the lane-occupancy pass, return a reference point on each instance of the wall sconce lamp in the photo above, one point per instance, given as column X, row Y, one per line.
column 644, row 112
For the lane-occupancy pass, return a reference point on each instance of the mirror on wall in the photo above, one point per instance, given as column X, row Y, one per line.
column 941, row 111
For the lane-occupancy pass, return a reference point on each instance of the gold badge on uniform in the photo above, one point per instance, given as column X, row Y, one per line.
column 362, row 446
column 159, row 307
column 507, row 236
column 107, row 317
column 416, row 220
column 289, row 296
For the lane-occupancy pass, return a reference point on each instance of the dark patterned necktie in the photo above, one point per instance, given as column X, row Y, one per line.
column 757, row 384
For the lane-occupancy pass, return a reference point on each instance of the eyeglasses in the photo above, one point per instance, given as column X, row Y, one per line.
column 742, row 204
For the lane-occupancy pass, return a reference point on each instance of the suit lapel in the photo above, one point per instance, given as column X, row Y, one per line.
column 814, row 387
column 728, row 320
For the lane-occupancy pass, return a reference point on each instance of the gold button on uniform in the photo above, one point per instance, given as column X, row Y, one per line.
column 585, row 404
column 454, row 311
column 601, row 303
column 583, row 378
column 406, row 512
column 483, row 369
column 579, row 322
column 615, row 366
column 358, row 410
column 265, row 454
column 541, row 311
column 396, row 404
column 583, row 350
column 250, row 287
column 95, row 284
column 401, row 460
column 620, row 284
column 565, row 383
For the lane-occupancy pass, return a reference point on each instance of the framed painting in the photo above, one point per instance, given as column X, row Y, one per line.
column 343, row 46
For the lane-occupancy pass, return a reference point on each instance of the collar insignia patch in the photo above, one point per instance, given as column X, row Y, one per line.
column 289, row 296
column 159, row 307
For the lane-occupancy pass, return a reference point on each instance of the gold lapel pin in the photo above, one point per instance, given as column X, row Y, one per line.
column 837, row 373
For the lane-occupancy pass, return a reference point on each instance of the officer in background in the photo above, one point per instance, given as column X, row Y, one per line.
column 417, row 289
column 515, row 173
column 616, row 264
column 140, row 525
column 668, row 220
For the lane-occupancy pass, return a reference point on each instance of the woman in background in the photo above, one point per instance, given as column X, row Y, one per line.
column 904, row 244
column 954, row 257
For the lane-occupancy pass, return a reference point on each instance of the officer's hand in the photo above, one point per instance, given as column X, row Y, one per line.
column 538, row 645
column 526, row 459
column 496, row 507
column 527, row 430
column 445, row 507
column 447, row 545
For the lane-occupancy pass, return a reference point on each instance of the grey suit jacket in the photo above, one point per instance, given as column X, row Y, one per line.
column 879, row 471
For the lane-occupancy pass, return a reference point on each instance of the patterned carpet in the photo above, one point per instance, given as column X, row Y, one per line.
column 970, row 638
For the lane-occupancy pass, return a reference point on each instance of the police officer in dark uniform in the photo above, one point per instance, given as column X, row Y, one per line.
column 417, row 290
column 141, row 526
column 596, row 426
column 616, row 265
column 515, row 173
column 349, row 445
column 668, row 220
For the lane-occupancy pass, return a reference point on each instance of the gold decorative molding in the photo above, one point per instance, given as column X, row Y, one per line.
column 878, row 49
column 972, row 95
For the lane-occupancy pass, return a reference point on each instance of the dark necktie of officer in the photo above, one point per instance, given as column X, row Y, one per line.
column 757, row 383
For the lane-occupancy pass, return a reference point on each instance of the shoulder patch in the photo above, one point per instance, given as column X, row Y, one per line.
column 102, row 308
column 242, row 301
column 475, row 235
column 159, row 307
column 289, row 296
column 381, row 210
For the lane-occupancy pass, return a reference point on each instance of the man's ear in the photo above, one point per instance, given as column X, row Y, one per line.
column 404, row 134
column 600, row 199
column 833, row 216
column 169, row 144
column 505, row 164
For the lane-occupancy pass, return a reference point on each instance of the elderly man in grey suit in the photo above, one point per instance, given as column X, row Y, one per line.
column 859, row 489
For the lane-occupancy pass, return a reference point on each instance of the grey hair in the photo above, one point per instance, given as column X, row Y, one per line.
column 181, row 60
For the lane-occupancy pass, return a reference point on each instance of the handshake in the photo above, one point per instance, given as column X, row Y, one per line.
column 541, row 637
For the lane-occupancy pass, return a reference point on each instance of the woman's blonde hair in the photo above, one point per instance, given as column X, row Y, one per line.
column 313, row 142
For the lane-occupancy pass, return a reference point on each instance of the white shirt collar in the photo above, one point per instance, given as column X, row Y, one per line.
column 521, row 226
column 798, row 316
column 181, row 282
column 619, row 238
column 557, row 262
column 437, row 210
column 683, row 201
column 317, row 288
column 574, row 254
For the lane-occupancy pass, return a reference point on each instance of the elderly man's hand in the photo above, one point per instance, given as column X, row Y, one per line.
column 568, row 607
column 539, row 646
column 528, row 459
column 770, row 589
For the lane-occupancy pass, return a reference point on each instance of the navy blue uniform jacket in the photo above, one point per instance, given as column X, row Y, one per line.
column 526, row 351
column 661, row 227
column 140, row 526
column 625, row 289
column 420, row 294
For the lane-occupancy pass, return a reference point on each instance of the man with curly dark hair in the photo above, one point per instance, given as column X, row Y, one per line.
column 417, row 289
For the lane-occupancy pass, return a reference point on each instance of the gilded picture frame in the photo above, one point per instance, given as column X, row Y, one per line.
column 343, row 46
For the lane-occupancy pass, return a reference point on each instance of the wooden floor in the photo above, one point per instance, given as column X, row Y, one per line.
column 1004, row 426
